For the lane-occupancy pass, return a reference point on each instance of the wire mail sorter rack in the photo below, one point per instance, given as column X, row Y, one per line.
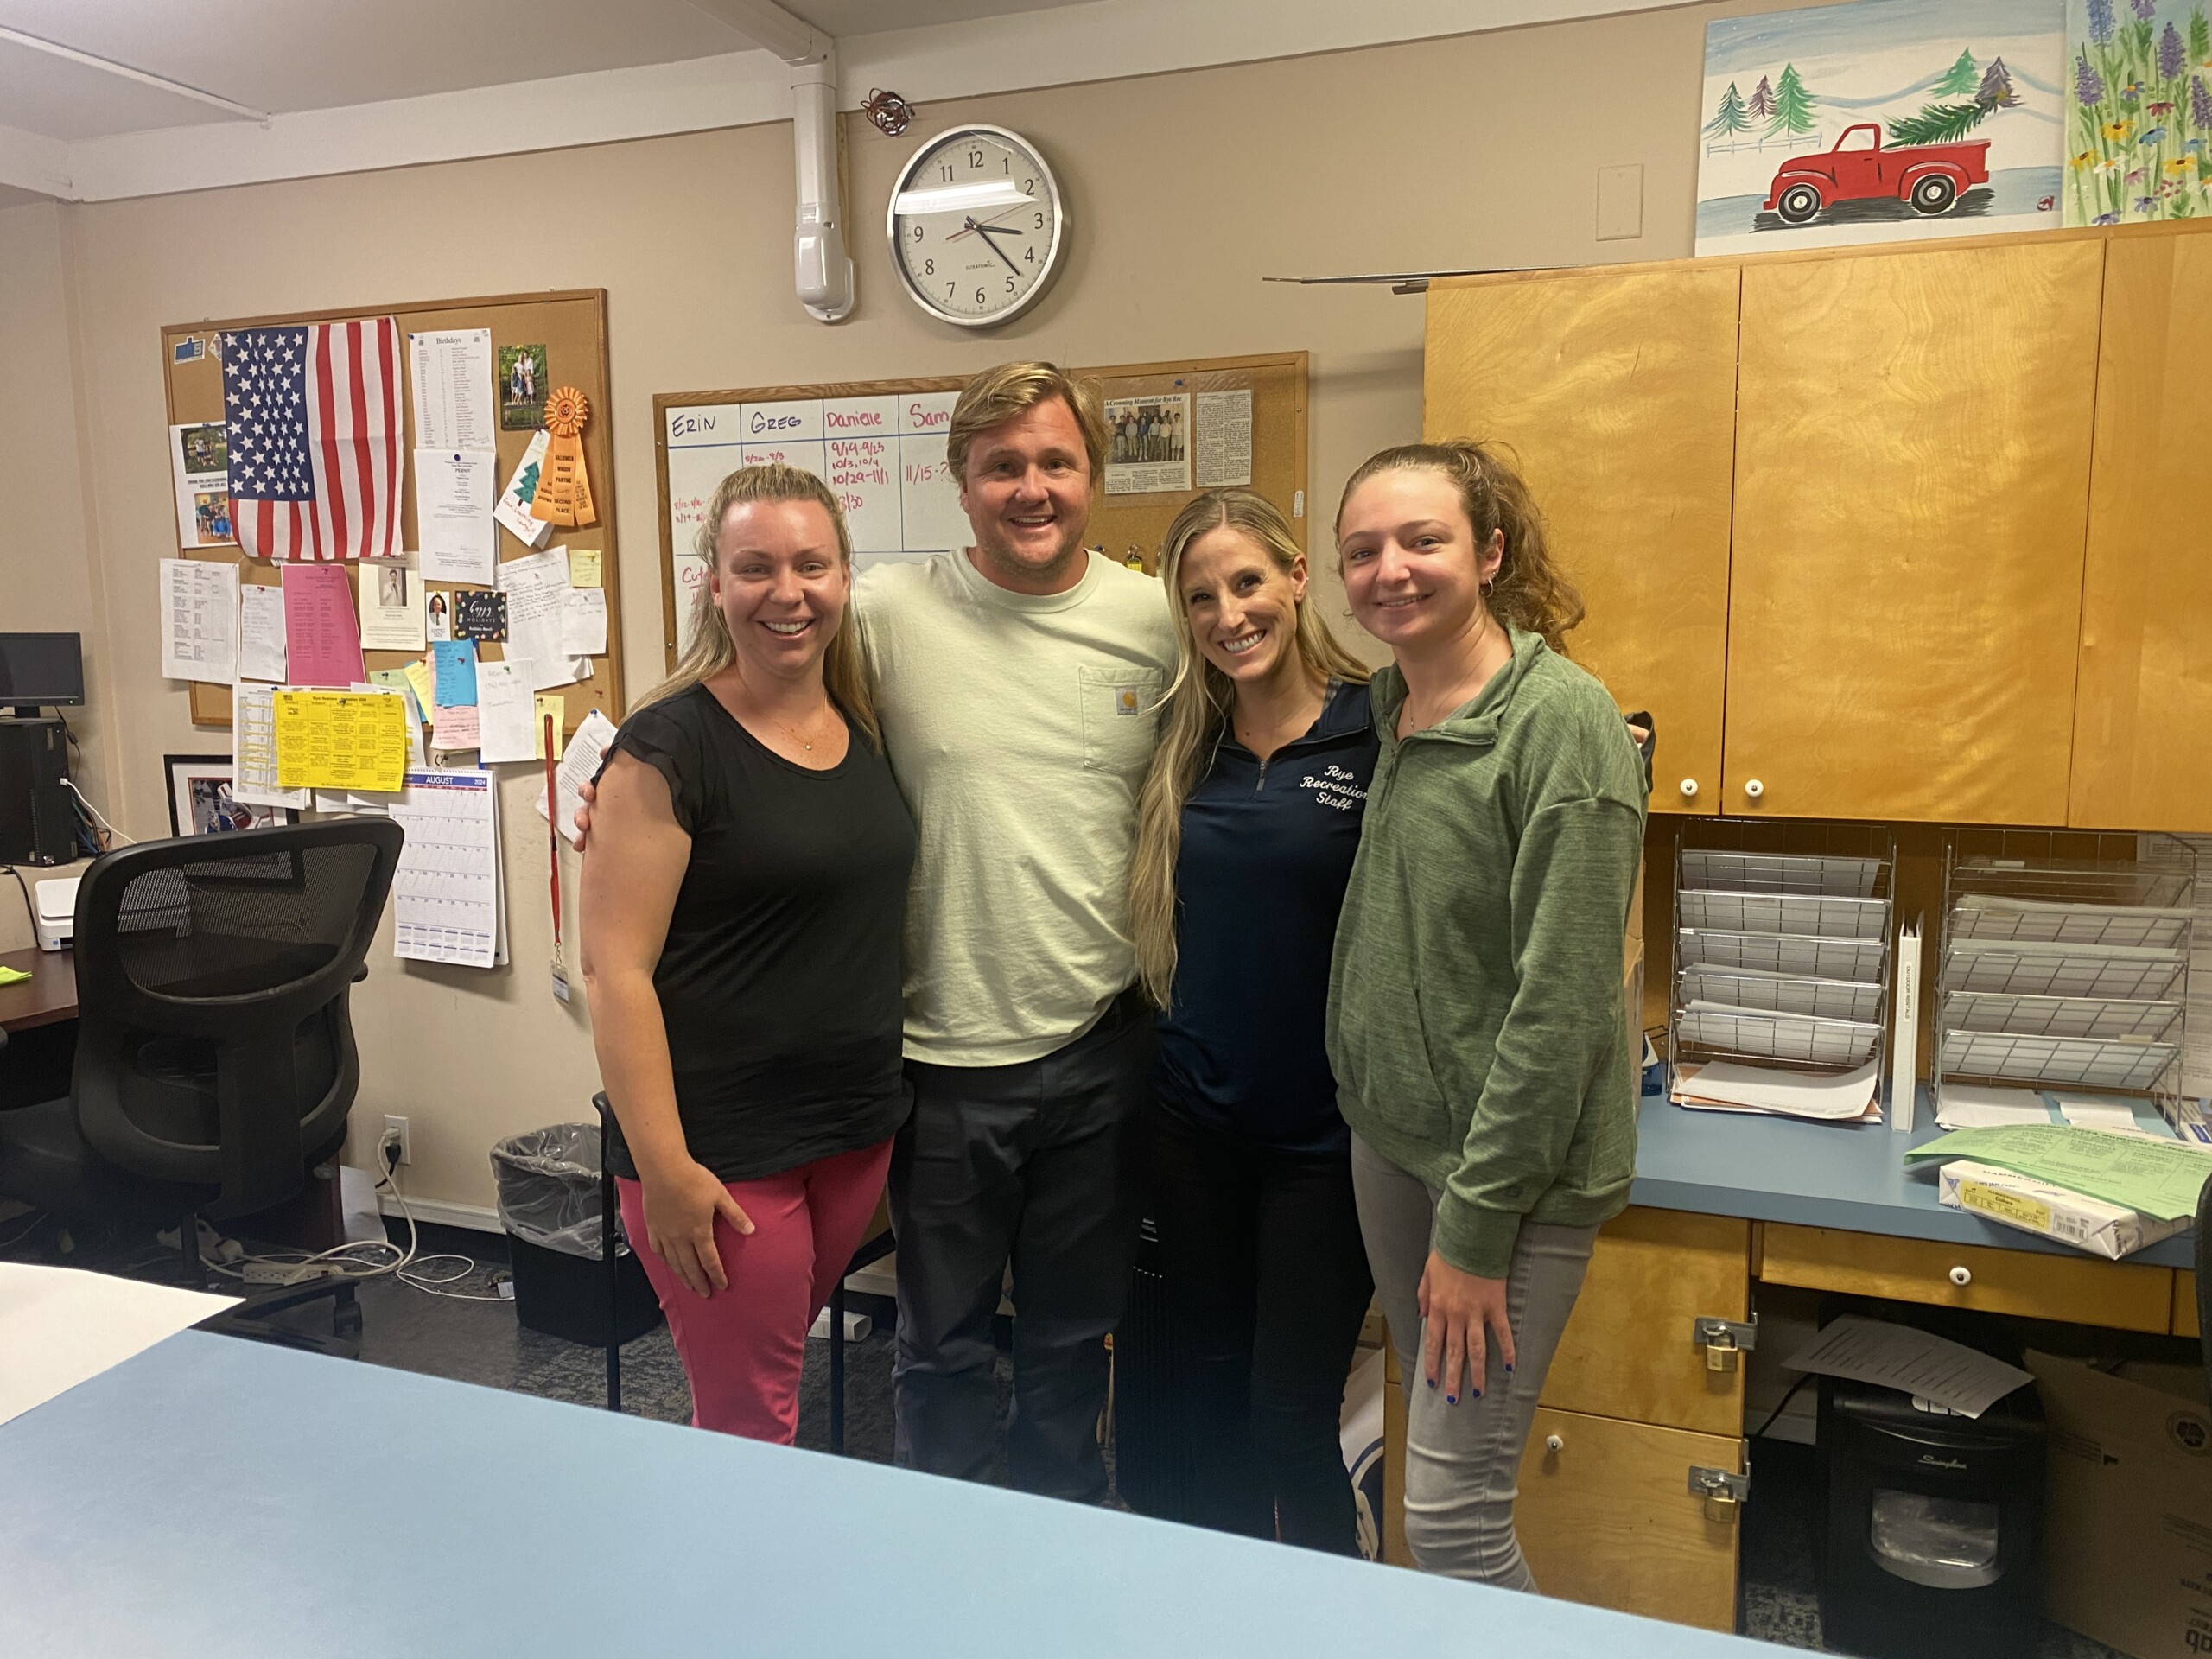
column 2064, row 973
column 1782, row 946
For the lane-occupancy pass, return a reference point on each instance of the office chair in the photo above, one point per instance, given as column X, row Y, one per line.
column 215, row 1057
column 2204, row 1275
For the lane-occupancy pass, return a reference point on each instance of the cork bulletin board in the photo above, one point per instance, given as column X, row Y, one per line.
column 880, row 444
column 572, row 326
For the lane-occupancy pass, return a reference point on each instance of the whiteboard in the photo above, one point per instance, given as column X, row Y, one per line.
column 883, row 457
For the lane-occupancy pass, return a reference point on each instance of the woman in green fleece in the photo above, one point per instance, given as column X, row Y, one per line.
column 1476, row 1027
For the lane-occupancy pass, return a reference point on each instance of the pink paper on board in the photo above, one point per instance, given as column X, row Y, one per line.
column 323, row 637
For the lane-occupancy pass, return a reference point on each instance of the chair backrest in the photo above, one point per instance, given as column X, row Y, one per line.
column 213, row 1047
column 2204, row 1277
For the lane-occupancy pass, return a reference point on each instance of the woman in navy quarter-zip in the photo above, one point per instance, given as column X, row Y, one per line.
column 1247, row 826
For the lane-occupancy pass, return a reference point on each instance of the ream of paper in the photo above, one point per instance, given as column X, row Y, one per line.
column 2159, row 1178
column 253, row 748
column 580, row 764
column 536, row 587
column 453, row 406
column 584, row 568
column 261, row 631
column 1932, row 1368
column 60, row 1326
column 341, row 740
column 456, row 727
column 453, row 514
column 454, row 661
column 1977, row 1106
column 504, row 711
column 1223, row 446
column 322, row 640
column 1771, row 1089
column 583, row 623
column 200, row 611
column 513, row 510
column 447, row 901
column 391, row 607
column 199, row 467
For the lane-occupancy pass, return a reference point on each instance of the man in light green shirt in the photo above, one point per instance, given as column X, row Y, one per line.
column 1016, row 681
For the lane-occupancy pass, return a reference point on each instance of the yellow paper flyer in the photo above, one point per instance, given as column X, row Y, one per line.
column 341, row 740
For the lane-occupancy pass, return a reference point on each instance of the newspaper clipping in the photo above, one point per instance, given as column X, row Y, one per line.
column 1148, row 444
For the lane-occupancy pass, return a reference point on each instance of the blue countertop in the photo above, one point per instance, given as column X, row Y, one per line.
column 1846, row 1175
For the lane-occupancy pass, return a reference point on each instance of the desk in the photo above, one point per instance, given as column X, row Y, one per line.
column 194, row 1500
column 49, row 996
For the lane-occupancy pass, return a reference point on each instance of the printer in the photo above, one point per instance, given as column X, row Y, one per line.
column 55, row 912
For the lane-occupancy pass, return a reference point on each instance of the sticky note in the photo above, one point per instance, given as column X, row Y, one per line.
column 558, row 710
column 418, row 682
column 454, row 661
column 583, row 567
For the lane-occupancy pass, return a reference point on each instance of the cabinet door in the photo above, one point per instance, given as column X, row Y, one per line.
column 1616, row 391
column 1607, row 1516
column 1912, row 482
column 2145, row 698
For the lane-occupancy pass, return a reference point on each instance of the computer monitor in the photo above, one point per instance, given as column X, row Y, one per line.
column 40, row 670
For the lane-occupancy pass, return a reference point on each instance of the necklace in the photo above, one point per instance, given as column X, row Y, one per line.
column 790, row 733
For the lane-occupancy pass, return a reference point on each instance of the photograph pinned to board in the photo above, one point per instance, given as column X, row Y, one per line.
column 391, row 608
column 1881, row 121
column 2138, row 111
column 522, row 386
column 437, row 615
column 200, row 464
column 201, row 801
column 1148, row 444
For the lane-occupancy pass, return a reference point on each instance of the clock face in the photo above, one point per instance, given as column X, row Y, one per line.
column 975, row 225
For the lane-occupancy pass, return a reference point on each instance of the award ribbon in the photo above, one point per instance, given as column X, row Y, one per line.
column 564, row 490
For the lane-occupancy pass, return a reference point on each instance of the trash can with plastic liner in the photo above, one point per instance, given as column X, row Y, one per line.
column 549, row 1182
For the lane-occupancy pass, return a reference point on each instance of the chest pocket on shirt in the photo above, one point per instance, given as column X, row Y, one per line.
column 1118, row 722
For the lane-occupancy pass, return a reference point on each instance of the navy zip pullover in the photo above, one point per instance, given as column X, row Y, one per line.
column 1267, row 848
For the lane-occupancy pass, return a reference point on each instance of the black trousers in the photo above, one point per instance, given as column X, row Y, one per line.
column 1266, row 1285
column 1036, row 1165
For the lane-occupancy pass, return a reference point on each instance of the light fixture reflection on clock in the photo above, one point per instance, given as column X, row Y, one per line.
column 975, row 225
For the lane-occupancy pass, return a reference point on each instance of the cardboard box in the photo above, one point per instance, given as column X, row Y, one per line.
column 2001, row 1195
column 2127, row 1513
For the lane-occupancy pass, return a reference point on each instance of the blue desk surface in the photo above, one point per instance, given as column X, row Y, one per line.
column 217, row 1497
column 1852, row 1176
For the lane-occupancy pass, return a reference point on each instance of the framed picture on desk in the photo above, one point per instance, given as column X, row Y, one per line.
column 200, row 801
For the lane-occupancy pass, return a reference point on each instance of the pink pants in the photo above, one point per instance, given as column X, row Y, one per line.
column 743, row 1347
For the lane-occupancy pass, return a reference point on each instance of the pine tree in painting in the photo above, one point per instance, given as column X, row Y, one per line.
column 1995, row 91
column 1959, row 79
column 1793, row 105
column 1761, row 108
column 1728, row 117
column 1938, row 124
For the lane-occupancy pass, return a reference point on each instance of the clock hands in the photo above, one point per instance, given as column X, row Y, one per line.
column 969, row 223
column 1005, row 230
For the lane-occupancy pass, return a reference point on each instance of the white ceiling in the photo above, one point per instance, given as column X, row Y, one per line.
column 354, row 85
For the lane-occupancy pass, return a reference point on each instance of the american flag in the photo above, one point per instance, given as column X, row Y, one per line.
column 314, row 432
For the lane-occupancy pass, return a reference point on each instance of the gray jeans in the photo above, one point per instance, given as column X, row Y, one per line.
column 1463, row 1462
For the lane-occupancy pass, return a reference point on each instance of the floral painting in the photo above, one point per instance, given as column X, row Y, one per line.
column 2138, row 111
column 1882, row 120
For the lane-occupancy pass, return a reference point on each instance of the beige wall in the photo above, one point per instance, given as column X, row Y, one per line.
column 1185, row 191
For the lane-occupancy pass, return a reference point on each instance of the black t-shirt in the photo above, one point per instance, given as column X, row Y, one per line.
column 780, row 980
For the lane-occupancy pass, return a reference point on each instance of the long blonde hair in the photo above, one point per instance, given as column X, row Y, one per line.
column 1529, row 592
column 844, row 671
column 1198, row 706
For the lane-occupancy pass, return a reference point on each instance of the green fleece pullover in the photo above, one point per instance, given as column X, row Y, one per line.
column 1475, row 1017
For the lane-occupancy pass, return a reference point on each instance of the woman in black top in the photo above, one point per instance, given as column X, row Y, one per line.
column 744, row 892
column 1247, row 825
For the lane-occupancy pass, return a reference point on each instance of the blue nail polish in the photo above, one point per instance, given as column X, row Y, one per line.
column 1451, row 1399
column 1432, row 1382
column 1509, row 1371
column 1474, row 1394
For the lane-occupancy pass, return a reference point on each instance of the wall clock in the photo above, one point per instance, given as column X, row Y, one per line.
column 976, row 226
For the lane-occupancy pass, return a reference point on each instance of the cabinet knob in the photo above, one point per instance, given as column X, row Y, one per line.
column 1689, row 789
column 1555, row 1443
column 1961, row 1276
column 1753, row 788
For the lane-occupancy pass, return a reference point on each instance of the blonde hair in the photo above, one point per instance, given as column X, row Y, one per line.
column 997, row 396
column 1529, row 592
column 712, row 650
column 1198, row 706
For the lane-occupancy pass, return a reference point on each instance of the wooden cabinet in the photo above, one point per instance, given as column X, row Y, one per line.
column 1911, row 489
column 2143, row 701
column 1616, row 390
column 1607, row 1516
column 2079, row 1289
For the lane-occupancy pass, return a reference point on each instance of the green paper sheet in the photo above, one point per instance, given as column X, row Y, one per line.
column 12, row 976
column 2159, row 1178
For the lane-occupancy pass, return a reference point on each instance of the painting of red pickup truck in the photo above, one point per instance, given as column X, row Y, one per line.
column 1930, row 178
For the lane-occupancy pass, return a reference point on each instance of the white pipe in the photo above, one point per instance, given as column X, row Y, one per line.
column 824, row 270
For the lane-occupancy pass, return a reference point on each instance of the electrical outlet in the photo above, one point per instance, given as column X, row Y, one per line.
column 397, row 1126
